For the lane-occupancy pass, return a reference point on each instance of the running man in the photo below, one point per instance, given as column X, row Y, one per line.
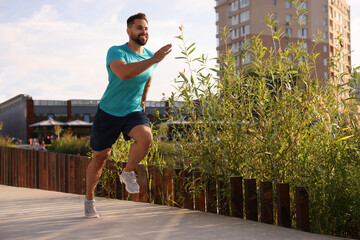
column 122, row 107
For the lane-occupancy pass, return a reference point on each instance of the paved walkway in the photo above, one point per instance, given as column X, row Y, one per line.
column 38, row 214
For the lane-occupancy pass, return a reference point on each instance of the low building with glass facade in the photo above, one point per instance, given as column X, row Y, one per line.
column 19, row 112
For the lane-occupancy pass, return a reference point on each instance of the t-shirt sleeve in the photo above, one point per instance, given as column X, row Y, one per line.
column 114, row 53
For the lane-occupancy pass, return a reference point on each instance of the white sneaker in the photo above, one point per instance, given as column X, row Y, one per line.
column 90, row 210
column 130, row 181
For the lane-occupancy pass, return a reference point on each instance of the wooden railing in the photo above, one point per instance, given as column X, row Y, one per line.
column 173, row 187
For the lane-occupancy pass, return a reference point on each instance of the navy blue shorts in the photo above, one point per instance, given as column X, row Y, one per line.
column 106, row 128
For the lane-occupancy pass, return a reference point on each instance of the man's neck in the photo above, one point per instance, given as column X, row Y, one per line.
column 136, row 48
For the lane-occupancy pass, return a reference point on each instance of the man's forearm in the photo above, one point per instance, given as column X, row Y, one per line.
column 126, row 71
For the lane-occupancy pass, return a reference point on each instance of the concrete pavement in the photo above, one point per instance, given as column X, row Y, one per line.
column 38, row 214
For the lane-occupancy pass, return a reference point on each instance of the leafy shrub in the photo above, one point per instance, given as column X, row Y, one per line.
column 71, row 145
column 6, row 142
column 275, row 120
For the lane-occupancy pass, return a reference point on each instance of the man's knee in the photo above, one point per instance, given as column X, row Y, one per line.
column 148, row 138
column 100, row 157
column 142, row 135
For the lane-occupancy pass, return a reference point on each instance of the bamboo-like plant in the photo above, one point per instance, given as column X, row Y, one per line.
column 274, row 119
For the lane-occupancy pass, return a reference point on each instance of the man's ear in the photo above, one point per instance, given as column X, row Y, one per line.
column 128, row 31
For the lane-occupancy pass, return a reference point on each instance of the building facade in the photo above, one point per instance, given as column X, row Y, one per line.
column 327, row 18
column 17, row 113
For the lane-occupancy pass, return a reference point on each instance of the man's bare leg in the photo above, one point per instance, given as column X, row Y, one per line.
column 138, row 150
column 94, row 170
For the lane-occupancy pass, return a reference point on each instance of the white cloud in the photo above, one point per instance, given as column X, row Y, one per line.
column 46, row 55
column 59, row 51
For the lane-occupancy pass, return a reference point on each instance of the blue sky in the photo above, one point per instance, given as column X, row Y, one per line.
column 53, row 49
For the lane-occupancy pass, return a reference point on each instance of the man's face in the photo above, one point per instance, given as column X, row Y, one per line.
column 139, row 32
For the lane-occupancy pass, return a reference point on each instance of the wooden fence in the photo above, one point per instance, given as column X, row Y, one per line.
column 173, row 187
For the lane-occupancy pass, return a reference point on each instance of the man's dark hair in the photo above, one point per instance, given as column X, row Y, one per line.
column 132, row 18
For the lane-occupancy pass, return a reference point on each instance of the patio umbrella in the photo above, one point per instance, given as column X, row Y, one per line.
column 47, row 123
column 78, row 123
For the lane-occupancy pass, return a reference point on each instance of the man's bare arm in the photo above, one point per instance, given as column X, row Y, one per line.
column 145, row 92
column 126, row 71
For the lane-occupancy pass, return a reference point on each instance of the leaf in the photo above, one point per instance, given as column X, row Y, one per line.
column 183, row 76
column 190, row 46
column 192, row 50
column 344, row 138
column 179, row 37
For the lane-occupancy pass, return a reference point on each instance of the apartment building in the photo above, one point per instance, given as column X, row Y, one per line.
column 330, row 18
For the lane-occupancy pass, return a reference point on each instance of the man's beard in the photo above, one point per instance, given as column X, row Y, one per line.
column 138, row 40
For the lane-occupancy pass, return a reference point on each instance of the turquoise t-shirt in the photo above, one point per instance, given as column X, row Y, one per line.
column 123, row 97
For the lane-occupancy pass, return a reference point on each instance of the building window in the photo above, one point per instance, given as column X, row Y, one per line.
column 244, row 3
column 288, row 18
column 325, row 62
column 302, row 5
column 289, row 32
column 275, row 2
column 86, row 117
column 235, row 20
column 288, row 4
column 235, row 47
column 217, row 16
column 244, row 30
column 331, row 12
column 326, row 75
column 325, row 36
column 244, row 45
column 303, row 20
column 325, row 22
column 234, row 6
column 274, row 17
column 325, row 49
column 302, row 33
column 325, row 8
column 237, row 59
column 235, row 33
column 50, row 116
column 245, row 16
column 303, row 47
column 247, row 58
